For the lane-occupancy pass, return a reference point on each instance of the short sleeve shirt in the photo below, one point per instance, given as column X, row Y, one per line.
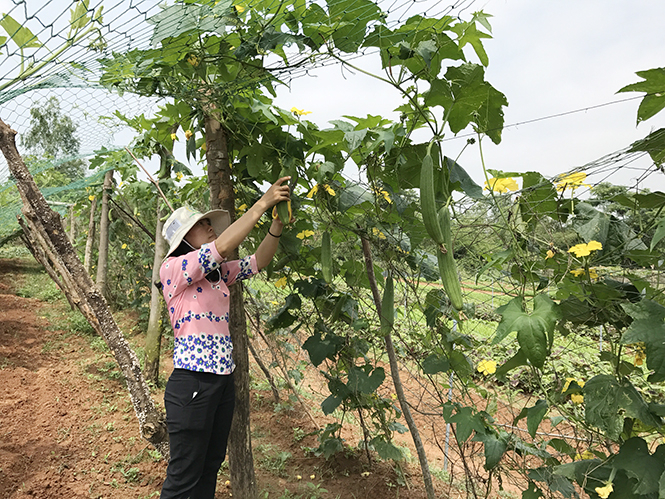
column 199, row 309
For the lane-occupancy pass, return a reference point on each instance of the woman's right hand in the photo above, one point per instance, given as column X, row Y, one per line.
column 279, row 191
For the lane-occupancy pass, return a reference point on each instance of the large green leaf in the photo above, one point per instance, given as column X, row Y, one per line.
column 350, row 19
column 607, row 401
column 531, row 328
column 646, row 469
column 654, row 86
column 386, row 450
column 20, row 35
column 648, row 326
column 175, row 20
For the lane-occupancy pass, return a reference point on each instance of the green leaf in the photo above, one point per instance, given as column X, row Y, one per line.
column 654, row 86
column 386, row 450
column 494, row 448
column 466, row 422
column 331, row 403
column 533, row 492
column 350, row 19
column 469, row 33
column 355, row 138
column 634, row 458
column 648, row 326
column 531, row 328
column 461, row 180
column 362, row 382
column 20, row 35
column 535, row 415
column 654, row 144
column 562, row 446
column 79, row 15
column 434, row 364
column 603, row 398
column 519, row 359
column 3, row 39
column 352, row 195
column 320, row 349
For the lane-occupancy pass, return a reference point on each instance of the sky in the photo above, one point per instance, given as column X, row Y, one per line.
column 548, row 58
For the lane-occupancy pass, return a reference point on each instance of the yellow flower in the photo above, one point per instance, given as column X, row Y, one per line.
column 124, row 246
column 281, row 282
column 193, row 60
column 315, row 189
column 501, row 184
column 639, row 358
column 91, row 198
column 242, row 208
column 298, row 477
column 393, row 396
column 188, row 134
column 486, row 367
column 384, row 193
column 378, row 233
column 605, row 491
column 304, row 234
column 174, row 136
column 577, row 272
column 312, row 477
column 576, row 398
column 593, row 274
column 300, row 112
column 587, row 454
column 240, row 8
column 571, row 181
column 640, row 354
column 550, row 254
column 179, row 175
column 582, row 249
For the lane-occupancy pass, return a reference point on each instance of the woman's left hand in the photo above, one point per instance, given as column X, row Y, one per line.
column 279, row 191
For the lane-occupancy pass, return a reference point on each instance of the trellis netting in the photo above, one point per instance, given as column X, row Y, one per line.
column 58, row 48
column 54, row 48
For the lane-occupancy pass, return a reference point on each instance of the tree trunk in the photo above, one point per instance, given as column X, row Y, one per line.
column 394, row 371
column 102, row 258
column 49, row 243
column 241, row 460
column 87, row 259
column 153, row 337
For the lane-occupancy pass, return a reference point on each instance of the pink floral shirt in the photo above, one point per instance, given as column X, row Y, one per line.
column 199, row 309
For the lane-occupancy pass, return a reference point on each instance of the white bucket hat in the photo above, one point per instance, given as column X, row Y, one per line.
column 183, row 219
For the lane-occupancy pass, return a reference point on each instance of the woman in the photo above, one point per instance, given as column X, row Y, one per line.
column 195, row 276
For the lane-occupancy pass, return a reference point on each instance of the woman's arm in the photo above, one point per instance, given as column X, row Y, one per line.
column 235, row 234
column 268, row 246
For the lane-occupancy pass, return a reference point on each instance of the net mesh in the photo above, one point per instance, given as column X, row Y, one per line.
column 65, row 63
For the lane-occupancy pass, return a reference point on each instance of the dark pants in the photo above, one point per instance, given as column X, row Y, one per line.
column 199, row 411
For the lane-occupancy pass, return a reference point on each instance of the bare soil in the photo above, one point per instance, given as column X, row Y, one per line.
column 68, row 429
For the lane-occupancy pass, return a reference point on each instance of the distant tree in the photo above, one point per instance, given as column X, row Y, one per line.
column 52, row 136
